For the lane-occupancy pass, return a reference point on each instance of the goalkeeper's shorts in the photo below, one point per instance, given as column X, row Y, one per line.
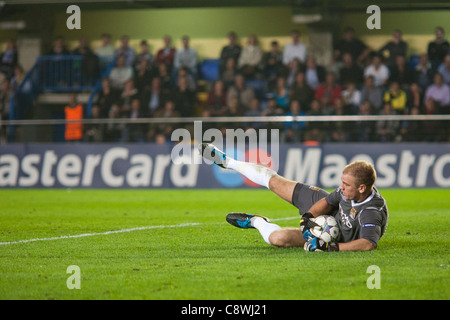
column 305, row 196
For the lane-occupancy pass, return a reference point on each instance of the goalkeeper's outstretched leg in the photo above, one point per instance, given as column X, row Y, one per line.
column 257, row 173
column 284, row 188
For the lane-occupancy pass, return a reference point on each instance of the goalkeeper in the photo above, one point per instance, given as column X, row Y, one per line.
column 359, row 209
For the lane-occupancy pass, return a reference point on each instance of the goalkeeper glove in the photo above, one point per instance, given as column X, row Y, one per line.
column 317, row 244
column 306, row 223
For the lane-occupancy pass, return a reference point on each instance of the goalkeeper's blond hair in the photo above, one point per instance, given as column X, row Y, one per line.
column 363, row 171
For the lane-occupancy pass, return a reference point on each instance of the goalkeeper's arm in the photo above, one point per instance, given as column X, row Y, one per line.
column 320, row 208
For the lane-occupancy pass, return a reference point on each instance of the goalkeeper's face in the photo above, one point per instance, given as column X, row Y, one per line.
column 349, row 188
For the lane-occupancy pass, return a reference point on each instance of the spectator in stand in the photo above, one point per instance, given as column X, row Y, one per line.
column 17, row 78
column 396, row 98
column 364, row 130
column 372, row 93
column 253, row 111
column 129, row 93
column 113, row 131
column 94, row 132
column 216, row 104
column 126, row 51
column 120, row 74
column 396, row 47
column 301, row 91
column 273, row 64
column 281, row 94
column 293, row 69
column 229, row 74
column 294, row 50
column 423, row 73
column 105, row 98
column 106, row 49
column 143, row 55
column 9, row 59
column 90, row 66
column 351, row 97
column 293, row 129
column 314, row 131
column 156, row 99
column 183, row 72
column 83, row 47
column 351, row 44
column 240, row 91
column 439, row 92
column 415, row 98
column 438, row 48
column 350, row 71
column 185, row 57
column 231, row 50
column 143, row 81
column 378, row 70
column 168, row 111
column 74, row 111
column 272, row 110
column 6, row 93
column 401, row 72
column 340, row 129
column 430, row 130
column 329, row 91
column 184, row 98
column 386, row 130
column 164, row 77
column 250, row 60
column 234, row 109
column 412, row 131
column 135, row 131
column 59, row 47
column 314, row 73
column 166, row 55
column 444, row 69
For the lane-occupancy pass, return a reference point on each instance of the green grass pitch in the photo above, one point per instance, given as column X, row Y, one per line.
column 175, row 244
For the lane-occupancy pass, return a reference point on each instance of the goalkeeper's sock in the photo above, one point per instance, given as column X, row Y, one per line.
column 265, row 228
column 255, row 172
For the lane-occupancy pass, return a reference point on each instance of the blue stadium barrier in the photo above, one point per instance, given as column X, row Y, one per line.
column 57, row 73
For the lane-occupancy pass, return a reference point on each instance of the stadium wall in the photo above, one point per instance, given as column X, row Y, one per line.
column 208, row 27
column 151, row 166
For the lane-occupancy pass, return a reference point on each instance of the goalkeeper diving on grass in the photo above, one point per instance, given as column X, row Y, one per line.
column 359, row 209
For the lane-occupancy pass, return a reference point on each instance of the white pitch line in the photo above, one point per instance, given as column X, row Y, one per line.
column 101, row 233
column 118, row 231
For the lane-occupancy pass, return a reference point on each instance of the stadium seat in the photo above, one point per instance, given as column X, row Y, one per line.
column 210, row 69
column 414, row 60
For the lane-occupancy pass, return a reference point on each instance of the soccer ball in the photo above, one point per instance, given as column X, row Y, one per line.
column 327, row 229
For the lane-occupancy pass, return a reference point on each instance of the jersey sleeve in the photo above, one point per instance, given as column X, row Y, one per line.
column 334, row 198
column 370, row 220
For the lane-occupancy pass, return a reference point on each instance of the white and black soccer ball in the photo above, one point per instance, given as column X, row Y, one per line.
column 327, row 229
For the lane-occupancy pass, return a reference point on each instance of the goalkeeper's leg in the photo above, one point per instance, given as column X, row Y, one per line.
column 271, row 233
column 257, row 173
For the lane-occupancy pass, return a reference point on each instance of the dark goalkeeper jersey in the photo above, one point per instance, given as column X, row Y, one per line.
column 367, row 219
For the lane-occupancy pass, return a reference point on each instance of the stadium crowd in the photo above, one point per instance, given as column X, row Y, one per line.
column 252, row 82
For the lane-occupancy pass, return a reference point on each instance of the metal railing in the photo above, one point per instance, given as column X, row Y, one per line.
column 331, row 128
